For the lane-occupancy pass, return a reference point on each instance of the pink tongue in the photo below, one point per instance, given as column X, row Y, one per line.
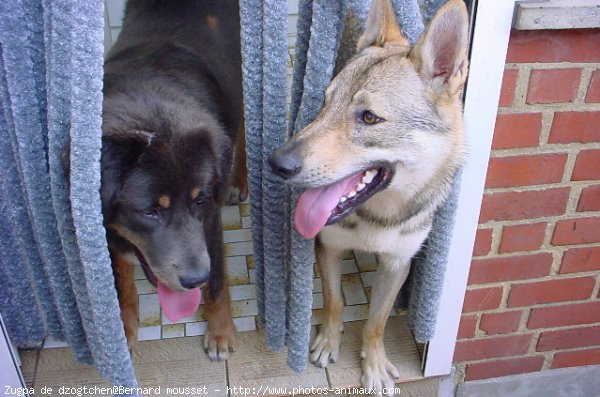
column 177, row 305
column 315, row 205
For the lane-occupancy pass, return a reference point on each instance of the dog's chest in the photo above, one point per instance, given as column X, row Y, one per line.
column 356, row 234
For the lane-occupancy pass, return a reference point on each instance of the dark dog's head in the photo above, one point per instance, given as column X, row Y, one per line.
column 160, row 193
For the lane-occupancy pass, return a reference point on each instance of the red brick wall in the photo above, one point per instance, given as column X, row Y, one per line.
column 533, row 301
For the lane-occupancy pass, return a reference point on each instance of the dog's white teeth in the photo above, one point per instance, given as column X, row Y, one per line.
column 351, row 194
column 343, row 199
column 369, row 176
column 360, row 187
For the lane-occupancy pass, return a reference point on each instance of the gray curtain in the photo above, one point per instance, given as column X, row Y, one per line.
column 55, row 272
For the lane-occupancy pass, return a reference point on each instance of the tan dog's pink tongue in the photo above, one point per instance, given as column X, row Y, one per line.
column 177, row 305
column 315, row 205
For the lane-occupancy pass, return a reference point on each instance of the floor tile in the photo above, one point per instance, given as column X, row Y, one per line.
column 354, row 293
column 149, row 310
column 149, row 333
column 29, row 361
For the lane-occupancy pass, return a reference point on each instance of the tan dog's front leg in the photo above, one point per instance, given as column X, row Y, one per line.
column 326, row 346
column 378, row 372
column 220, row 337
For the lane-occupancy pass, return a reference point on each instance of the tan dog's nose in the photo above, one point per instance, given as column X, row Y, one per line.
column 285, row 162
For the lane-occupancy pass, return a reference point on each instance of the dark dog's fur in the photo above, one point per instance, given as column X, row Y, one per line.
column 172, row 113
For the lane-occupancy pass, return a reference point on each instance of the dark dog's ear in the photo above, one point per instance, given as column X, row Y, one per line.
column 381, row 27
column 119, row 154
column 441, row 52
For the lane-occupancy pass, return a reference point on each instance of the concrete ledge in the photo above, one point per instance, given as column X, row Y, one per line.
column 556, row 14
column 575, row 381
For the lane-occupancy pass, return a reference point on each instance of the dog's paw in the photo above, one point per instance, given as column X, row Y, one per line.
column 236, row 195
column 219, row 346
column 325, row 349
column 378, row 373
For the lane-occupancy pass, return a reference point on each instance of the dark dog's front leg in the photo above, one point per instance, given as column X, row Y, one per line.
column 124, row 274
column 220, row 337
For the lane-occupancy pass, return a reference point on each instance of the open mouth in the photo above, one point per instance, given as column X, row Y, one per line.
column 329, row 204
column 175, row 304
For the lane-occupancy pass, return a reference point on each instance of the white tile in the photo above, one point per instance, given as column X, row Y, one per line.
column 368, row 279
column 242, row 292
column 237, row 270
column 317, row 301
column 197, row 316
column 51, row 343
column 233, row 236
column 149, row 333
column 317, row 285
column 173, row 331
column 357, row 312
column 149, row 310
column 230, row 215
column 349, row 266
column 252, row 276
column 246, row 222
column 138, row 273
column 366, row 261
column 354, row 293
column 244, row 308
column 195, row 329
column 144, row 287
column 240, row 248
column 245, row 323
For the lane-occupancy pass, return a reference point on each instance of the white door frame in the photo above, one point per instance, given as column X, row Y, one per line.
column 493, row 21
column 10, row 373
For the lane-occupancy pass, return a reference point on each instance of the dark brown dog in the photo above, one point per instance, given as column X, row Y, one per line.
column 172, row 113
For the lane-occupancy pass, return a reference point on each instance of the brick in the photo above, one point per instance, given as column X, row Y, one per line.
column 509, row 83
column 580, row 260
column 577, row 358
column 561, row 290
column 483, row 242
column 587, row 165
column 553, row 85
column 491, row 347
column 568, row 45
column 564, row 315
column 482, row 299
column 593, row 91
column 517, row 130
column 569, row 338
column 500, row 323
column 527, row 237
column 575, row 127
column 519, row 267
column 467, row 326
column 589, row 200
column 524, row 170
column 514, row 205
column 495, row 368
column 577, row 231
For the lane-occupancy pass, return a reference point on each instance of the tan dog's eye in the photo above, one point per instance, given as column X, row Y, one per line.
column 368, row 117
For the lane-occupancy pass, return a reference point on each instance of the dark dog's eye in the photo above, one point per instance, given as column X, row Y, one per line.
column 151, row 213
column 202, row 199
column 368, row 117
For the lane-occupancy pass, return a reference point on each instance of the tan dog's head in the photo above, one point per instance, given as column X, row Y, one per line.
column 391, row 118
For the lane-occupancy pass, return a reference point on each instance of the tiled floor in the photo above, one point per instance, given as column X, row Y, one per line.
column 171, row 354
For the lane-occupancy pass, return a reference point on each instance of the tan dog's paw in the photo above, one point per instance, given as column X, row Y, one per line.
column 219, row 346
column 378, row 373
column 236, row 195
column 325, row 349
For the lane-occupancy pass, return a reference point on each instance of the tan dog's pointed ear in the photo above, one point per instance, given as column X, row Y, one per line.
column 381, row 27
column 441, row 52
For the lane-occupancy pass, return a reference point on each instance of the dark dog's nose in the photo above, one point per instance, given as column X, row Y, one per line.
column 285, row 162
column 194, row 280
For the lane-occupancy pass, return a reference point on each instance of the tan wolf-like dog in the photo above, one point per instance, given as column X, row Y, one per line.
column 376, row 164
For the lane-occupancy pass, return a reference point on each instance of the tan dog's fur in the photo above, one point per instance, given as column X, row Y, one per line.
column 415, row 92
